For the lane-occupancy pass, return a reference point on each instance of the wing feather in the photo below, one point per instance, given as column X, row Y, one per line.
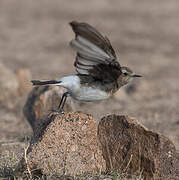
column 92, row 35
column 95, row 55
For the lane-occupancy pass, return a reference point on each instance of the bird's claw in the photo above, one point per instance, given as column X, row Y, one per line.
column 61, row 111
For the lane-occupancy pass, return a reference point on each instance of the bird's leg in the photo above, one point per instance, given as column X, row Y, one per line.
column 62, row 102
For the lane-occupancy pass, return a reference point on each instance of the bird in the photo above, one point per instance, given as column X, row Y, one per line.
column 98, row 72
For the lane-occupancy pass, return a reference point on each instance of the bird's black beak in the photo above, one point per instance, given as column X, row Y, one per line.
column 136, row 75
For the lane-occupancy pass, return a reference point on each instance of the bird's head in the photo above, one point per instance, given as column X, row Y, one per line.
column 127, row 76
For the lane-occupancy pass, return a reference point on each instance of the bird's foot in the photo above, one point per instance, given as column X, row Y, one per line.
column 60, row 111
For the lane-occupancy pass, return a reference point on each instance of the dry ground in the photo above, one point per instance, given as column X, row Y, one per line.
column 35, row 35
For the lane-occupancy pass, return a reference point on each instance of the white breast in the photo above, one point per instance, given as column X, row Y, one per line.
column 91, row 94
column 81, row 92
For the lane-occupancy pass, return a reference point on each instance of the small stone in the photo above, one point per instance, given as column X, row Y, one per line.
column 42, row 100
column 130, row 147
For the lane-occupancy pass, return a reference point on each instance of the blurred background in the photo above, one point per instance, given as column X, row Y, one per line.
column 34, row 44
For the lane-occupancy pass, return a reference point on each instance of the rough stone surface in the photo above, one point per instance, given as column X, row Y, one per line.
column 42, row 100
column 129, row 147
column 8, row 86
column 68, row 145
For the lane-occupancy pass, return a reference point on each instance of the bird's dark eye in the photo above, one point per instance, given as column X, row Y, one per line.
column 125, row 74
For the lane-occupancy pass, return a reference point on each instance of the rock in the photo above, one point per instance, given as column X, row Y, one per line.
column 24, row 78
column 42, row 100
column 66, row 145
column 8, row 87
column 129, row 147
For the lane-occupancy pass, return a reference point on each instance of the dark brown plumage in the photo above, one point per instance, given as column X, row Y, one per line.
column 104, row 68
column 39, row 82
column 90, row 33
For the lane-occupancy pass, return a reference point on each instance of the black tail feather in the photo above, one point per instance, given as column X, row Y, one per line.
column 41, row 82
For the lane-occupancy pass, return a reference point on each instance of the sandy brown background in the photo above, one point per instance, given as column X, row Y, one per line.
column 145, row 34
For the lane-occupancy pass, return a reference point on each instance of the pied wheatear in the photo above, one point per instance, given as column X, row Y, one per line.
column 99, row 74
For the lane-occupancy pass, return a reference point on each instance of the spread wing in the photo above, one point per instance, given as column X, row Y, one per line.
column 95, row 55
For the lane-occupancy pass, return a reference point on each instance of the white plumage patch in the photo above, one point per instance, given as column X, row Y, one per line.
column 82, row 93
column 91, row 94
column 72, row 83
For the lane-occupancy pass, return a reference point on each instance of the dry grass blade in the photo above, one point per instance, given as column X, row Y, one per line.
column 25, row 157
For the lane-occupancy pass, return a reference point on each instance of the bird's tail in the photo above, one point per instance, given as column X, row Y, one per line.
column 45, row 82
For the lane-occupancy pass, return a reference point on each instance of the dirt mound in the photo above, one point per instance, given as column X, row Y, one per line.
column 68, row 146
